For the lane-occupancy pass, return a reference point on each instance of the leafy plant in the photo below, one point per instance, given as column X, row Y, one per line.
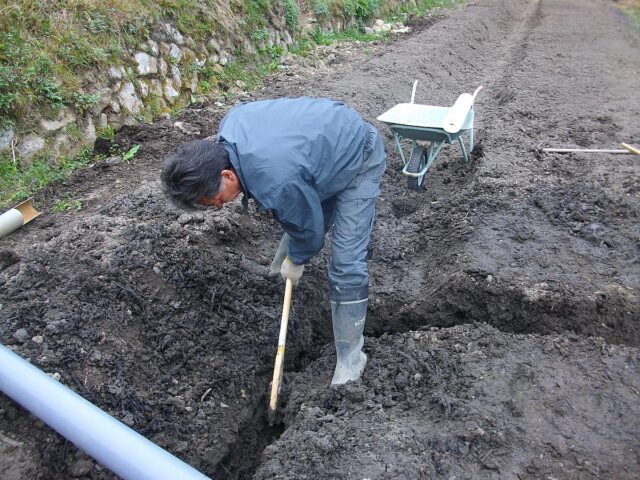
column 302, row 47
column 348, row 9
column 107, row 132
column 366, row 8
column 319, row 37
column 321, row 9
column 131, row 153
column 83, row 102
column 291, row 14
column 257, row 12
column 259, row 35
column 51, row 91
column 65, row 205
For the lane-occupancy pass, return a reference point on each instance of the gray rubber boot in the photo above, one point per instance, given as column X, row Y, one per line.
column 348, row 325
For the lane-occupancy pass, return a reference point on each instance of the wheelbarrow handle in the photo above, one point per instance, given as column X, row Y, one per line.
column 413, row 92
column 476, row 92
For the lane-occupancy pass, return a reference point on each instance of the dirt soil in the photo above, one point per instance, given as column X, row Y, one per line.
column 503, row 327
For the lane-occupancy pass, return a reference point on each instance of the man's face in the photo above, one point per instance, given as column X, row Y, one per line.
column 229, row 190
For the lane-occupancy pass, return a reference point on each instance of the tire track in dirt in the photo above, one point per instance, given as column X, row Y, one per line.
column 516, row 46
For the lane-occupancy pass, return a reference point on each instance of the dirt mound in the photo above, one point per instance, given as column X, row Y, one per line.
column 168, row 321
column 157, row 321
column 466, row 402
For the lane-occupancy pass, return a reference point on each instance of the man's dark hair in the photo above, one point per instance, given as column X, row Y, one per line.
column 194, row 171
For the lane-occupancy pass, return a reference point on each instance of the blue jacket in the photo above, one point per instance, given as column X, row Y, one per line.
column 291, row 154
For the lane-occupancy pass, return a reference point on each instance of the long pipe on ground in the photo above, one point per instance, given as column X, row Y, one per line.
column 116, row 446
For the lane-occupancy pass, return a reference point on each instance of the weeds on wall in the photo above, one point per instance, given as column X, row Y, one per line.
column 291, row 14
column 47, row 50
column 360, row 10
column 50, row 50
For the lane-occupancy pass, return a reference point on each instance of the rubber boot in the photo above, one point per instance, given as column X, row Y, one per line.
column 348, row 325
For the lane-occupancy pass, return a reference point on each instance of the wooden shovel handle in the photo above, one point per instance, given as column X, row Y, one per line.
column 277, row 370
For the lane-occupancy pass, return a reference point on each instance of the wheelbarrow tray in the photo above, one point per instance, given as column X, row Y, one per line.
column 422, row 122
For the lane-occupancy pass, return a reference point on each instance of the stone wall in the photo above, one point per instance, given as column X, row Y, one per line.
column 159, row 76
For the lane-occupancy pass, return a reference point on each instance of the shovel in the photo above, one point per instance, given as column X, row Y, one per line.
column 277, row 370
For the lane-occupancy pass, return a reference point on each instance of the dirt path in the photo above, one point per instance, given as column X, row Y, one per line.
column 168, row 321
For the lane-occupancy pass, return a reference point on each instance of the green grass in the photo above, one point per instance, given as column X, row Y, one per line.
column 66, row 205
column 17, row 184
column 291, row 14
column 48, row 50
column 107, row 132
column 632, row 12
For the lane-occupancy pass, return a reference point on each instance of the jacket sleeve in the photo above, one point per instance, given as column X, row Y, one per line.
column 299, row 212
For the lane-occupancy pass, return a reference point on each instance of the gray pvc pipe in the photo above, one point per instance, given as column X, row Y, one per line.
column 9, row 221
column 116, row 446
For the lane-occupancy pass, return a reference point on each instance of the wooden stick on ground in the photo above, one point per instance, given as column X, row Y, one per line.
column 279, row 365
column 628, row 149
column 631, row 149
column 584, row 150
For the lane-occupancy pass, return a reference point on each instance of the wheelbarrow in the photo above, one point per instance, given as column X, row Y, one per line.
column 429, row 128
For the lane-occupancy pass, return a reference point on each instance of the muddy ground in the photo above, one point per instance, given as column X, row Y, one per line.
column 503, row 329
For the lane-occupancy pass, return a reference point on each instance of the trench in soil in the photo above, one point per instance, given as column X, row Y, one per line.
column 245, row 453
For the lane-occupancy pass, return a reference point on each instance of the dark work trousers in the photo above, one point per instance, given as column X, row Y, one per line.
column 351, row 214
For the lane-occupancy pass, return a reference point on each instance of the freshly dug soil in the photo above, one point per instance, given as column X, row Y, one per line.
column 466, row 402
column 503, row 326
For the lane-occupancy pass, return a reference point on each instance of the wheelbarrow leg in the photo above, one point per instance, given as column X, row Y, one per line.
column 465, row 153
column 464, row 150
column 399, row 148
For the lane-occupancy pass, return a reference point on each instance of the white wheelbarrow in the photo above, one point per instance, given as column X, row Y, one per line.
column 429, row 128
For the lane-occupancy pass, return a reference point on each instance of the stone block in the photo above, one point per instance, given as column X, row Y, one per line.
column 30, row 146
column 129, row 99
column 147, row 65
column 64, row 118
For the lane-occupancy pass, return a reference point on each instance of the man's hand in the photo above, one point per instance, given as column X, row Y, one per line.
column 280, row 255
column 291, row 271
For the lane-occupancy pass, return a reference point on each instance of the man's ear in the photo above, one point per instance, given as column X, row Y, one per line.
column 230, row 176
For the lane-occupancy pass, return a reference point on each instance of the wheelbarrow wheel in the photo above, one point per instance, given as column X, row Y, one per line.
column 416, row 164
